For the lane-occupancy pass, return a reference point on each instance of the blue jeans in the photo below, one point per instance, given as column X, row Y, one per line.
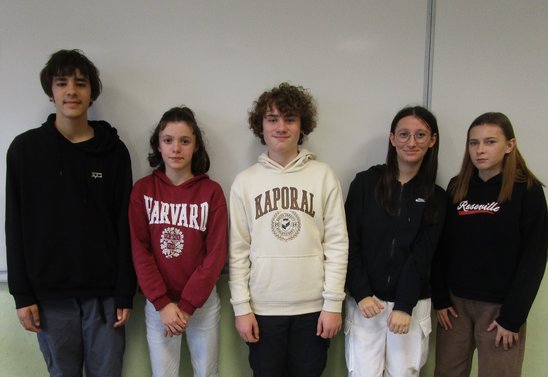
column 288, row 347
column 202, row 335
column 80, row 333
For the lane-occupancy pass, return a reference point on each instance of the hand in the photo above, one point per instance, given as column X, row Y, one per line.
column 29, row 317
column 443, row 317
column 248, row 327
column 329, row 324
column 174, row 319
column 398, row 322
column 370, row 307
column 122, row 316
column 508, row 337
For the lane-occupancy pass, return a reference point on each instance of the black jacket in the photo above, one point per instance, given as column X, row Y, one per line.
column 493, row 252
column 390, row 256
column 67, row 231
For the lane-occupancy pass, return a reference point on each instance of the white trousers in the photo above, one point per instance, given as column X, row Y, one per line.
column 202, row 335
column 371, row 350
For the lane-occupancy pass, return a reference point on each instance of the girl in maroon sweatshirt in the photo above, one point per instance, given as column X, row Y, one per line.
column 178, row 222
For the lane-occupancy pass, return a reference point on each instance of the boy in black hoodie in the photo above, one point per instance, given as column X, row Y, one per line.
column 68, row 251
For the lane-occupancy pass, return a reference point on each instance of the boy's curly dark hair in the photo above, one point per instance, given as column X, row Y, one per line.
column 289, row 100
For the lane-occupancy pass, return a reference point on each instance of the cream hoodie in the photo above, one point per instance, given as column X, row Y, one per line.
column 288, row 240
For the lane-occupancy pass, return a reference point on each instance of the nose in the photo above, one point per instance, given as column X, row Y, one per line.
column 176, row 146
column 412, row 140
column 71, row 87
column 282, row 124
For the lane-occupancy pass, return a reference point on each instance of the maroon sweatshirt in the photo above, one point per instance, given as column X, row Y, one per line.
column 178, row 239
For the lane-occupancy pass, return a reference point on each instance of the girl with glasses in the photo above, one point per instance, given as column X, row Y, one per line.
column 394, row 216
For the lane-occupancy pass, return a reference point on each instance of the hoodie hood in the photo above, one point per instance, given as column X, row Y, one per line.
column 161, row 175
column 105, row 136
column 91, row 152
column 476, row 181
column 298, row 163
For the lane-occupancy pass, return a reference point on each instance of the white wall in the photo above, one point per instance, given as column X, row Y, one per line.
column 492, row 55
column 362, row 60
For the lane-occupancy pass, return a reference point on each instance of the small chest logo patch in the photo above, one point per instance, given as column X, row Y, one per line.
column 172, row 242
column 286, row 225
column 96, row 174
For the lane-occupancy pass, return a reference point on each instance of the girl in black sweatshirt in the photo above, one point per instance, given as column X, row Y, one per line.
column 394, row 217
column 492, row 255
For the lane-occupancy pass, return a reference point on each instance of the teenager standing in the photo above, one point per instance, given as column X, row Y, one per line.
column 492, row 256
column 68, row 249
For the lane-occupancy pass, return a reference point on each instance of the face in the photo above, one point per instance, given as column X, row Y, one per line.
column 71, row 95
column 281, row 133
column 412, row 138
column 177, row 144
column 487, row 147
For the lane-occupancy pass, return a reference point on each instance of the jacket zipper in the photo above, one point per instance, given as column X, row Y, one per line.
column 394, row 238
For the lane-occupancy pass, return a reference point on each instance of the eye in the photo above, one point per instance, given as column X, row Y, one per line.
column 290, row 119
column 167, row 140
column 272, row 118
column 421, row 135
column 403, row 134
column 472, row 143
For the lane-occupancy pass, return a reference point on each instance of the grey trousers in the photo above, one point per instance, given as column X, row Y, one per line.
column 80, row 333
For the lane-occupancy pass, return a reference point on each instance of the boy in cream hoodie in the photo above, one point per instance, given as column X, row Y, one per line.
column 288, row 243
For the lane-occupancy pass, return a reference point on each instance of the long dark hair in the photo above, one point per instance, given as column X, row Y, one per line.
column 427, row 171
column 200, row 158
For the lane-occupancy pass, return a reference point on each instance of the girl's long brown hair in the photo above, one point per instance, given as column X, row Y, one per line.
column 514, row 168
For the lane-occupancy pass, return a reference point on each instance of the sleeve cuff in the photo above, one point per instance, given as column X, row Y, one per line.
column 404, row 307
column 22, row 301
column 332, row 306
column 242, row 309
column 160, row 302
column 187, row 307
column 508, row 325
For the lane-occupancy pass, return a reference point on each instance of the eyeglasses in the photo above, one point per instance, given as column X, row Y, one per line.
column 421, row 137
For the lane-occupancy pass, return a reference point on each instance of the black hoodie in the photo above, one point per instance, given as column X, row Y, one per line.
column 389, row 256
column 493, row 252
column 66, row 216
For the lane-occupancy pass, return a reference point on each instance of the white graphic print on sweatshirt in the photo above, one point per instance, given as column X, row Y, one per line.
column 185, row 215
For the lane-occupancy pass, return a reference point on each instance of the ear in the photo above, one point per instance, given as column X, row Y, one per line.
column 510, row 145
column 392, row 139
column 433, row 140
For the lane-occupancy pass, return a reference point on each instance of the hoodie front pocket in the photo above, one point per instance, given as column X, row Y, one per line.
column 287, row 279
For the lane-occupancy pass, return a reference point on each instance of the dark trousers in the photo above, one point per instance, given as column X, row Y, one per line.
column 78, row 334
column 288, row 347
